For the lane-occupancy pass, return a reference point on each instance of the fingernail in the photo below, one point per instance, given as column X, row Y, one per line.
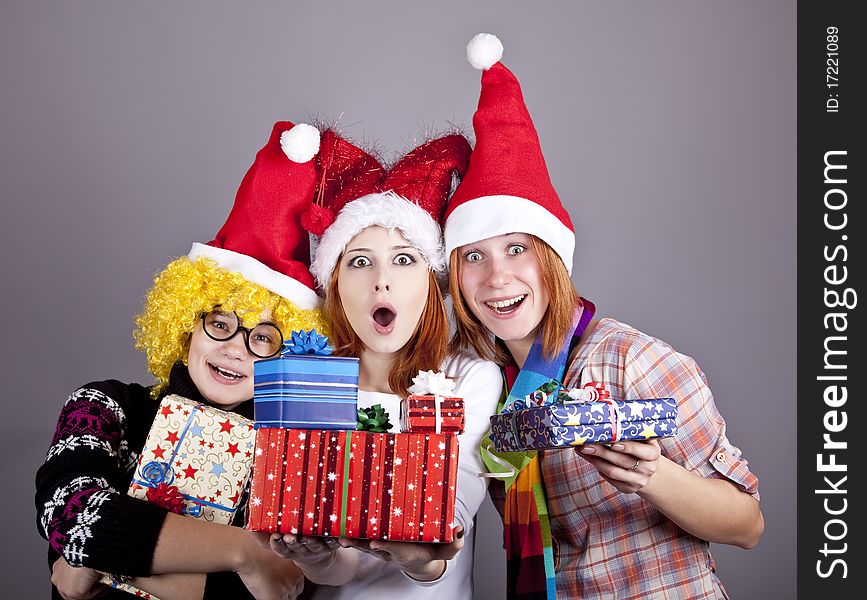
column 618, row 447
column 588, row 450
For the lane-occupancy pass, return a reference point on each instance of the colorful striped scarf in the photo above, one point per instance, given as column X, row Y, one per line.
column 526, row 526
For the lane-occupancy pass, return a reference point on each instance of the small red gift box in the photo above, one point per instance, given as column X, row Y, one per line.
column 354, row 484
column 431, row 414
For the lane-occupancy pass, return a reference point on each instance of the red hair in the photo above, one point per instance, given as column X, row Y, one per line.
column 556, row 324
column 425, row 349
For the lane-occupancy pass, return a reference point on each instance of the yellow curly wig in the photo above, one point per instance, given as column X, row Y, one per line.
column 184, row 290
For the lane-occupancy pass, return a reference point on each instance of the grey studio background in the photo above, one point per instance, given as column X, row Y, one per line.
column 668, row 127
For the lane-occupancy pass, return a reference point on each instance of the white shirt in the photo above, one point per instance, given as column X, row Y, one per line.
column 479, row 383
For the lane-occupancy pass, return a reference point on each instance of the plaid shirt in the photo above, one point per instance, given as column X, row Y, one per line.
column 614, row 545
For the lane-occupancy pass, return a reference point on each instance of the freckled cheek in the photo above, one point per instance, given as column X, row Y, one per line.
column 469, row 283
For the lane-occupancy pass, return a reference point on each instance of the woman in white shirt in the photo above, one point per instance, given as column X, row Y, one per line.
column 378, row 263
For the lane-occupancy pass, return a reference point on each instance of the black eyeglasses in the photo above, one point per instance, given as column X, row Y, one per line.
column 263, row 341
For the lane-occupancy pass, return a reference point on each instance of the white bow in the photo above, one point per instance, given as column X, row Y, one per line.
column 432, row 382
column 436, row 384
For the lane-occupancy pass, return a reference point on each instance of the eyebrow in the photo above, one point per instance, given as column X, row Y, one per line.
column 265, row 322
column 407, row 247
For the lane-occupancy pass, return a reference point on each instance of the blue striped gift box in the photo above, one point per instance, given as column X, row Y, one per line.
column 306, row 392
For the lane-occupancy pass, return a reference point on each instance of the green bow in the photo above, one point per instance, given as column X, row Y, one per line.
column 373, row 419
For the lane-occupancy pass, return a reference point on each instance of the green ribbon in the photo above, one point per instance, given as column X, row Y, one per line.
column 344, row 500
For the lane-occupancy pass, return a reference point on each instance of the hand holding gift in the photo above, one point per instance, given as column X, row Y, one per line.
column 628, row 466
column 421, row 561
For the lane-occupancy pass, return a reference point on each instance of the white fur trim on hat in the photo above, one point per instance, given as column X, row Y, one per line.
column 301, row 143
column 387, row 210
column 484, row 51
column 255, row 272
column 490, row 216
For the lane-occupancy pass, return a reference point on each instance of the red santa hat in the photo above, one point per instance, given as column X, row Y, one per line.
column 410, row 197
column 262, row 238
column 506, row 188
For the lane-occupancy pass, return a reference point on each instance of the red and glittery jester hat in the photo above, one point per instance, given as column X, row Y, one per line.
column 411, row 197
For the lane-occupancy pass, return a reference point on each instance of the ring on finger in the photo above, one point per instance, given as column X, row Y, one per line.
column 635, row 466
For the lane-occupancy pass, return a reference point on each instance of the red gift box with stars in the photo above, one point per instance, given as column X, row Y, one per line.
column 354, row 484
column 428, row 413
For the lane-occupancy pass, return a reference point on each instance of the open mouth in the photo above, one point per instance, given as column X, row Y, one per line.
column 227, row 374
column 383, row 318
column 504, row 307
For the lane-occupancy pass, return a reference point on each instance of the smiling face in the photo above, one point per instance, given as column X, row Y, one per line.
column 502, row 284
column 383, row 286
column 222, row 371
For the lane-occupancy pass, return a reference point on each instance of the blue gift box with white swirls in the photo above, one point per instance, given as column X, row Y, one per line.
column 578, row 423
column 304, row 388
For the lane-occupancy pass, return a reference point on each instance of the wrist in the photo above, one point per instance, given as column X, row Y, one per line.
column 317, row 562
column 657, row 484
column 429, row 571
column 244, row 554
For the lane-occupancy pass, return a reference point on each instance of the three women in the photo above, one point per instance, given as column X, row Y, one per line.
column 632, row 520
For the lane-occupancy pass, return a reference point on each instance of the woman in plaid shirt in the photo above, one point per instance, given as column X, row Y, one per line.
column 629, row 520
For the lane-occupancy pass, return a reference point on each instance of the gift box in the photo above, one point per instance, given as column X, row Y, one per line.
column 577, row 423
column 431, row 407
column 354, row 484
column 118, row 584
column 196, row 462
column 431, row 414
column 306, row 388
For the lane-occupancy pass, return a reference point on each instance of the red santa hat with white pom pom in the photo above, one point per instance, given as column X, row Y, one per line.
column 507, row 188
column 262, row 238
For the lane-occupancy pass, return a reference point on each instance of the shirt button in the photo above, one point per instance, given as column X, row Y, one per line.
column 721, row 456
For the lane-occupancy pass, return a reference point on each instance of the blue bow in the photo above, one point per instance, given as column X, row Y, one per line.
column 306, row 342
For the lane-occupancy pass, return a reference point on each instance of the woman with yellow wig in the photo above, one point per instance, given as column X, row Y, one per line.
column 207, row 318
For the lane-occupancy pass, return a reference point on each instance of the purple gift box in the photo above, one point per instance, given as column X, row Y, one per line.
column 577, row 423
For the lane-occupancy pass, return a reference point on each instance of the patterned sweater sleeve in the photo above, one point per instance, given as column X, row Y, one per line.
column 81, row 502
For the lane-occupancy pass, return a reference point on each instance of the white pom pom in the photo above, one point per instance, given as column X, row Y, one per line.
column 484, row 51
column 301, row 143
